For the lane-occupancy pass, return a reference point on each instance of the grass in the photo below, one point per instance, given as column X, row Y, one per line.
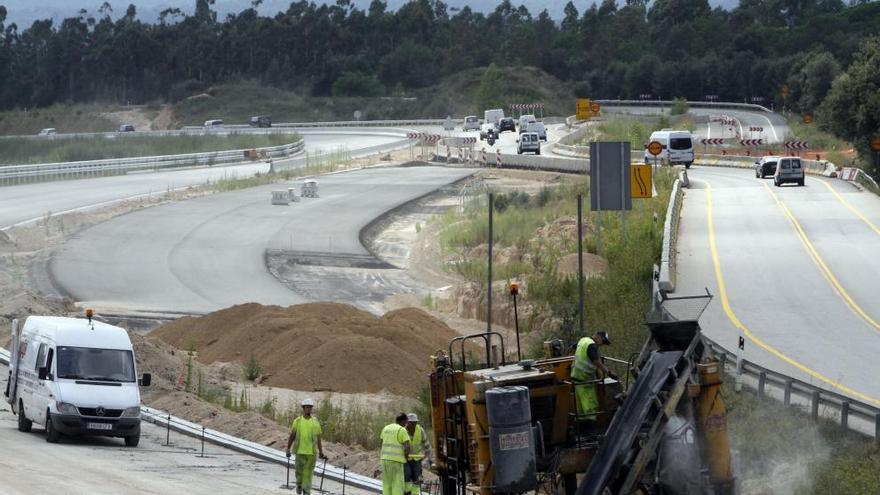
column 65, row 118
column 317, row 164
column 20, row 151
column 780, row 450
column 638, row 131
column 616, row 302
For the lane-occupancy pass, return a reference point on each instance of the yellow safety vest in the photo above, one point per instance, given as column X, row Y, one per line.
column 583, row 369
column 417, row 448
column 392, row 446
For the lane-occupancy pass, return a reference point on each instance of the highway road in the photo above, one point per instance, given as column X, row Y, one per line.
column 208, row 253
column 103, row 466
column 794, row 270
column 33, row 201
column 775, row 127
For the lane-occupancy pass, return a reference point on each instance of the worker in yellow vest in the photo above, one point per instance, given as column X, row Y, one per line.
column 395, row 450
column 420, row 450
column 588, row 366
column 305, row 435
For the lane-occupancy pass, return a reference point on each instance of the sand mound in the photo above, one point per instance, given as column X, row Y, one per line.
column 320, row 346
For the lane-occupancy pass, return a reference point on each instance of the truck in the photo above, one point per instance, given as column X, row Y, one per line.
column 74, row 376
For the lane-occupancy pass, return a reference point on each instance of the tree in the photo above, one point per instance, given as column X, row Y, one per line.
column 491, row 91
column 852, row 108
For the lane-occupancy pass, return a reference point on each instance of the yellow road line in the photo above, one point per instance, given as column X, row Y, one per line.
column 814, row 254
column 725, row 304
column 851, row 208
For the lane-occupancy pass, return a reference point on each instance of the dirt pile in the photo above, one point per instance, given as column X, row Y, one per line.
column 319, row 346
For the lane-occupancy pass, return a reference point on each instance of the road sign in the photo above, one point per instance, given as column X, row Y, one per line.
column 610, row 176
column 583, row 109
column 808, row 119
column 797, row 145
column 875, row 144
column 641, row 181
column 751, row 142
column 357, row 115
column 715, row 141
column 655, row 148
column 595, row 107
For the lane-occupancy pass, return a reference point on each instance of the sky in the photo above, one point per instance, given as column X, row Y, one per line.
column 24, row 12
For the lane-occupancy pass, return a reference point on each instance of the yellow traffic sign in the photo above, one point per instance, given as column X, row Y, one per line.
column 655, row 148
column 808, row 119
column 642, row 181
column 583, row 109
column 875, row 144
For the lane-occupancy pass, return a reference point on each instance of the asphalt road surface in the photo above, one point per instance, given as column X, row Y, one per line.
column 30, row 202
column 796, row 268
column 208, row 253
column 775, row 127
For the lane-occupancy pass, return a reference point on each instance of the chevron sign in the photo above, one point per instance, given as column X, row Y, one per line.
column 797, row 145
column 756, row 129
column 751, row 142
column 713, row 141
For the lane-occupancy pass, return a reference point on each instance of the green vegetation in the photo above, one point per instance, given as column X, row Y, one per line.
column 64, row 117
column 781, row 450
column 679, row 107
column 252, row 369
column 638, row 131
column 616, row 301
column 15, row 151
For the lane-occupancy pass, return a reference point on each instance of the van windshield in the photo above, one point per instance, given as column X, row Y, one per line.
column 83, row 363
column 680, row 143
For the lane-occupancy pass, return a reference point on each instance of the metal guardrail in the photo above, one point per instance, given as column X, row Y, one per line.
column 670, row 236
column 695, row 104
column 18, row 174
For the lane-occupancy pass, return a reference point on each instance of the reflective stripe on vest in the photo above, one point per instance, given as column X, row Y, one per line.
column 417, row 451
column 392, row 449
column 583, row 367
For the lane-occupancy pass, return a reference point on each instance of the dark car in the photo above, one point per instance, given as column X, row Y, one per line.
column 766, row 166
column 261, row 121
column 506, row 124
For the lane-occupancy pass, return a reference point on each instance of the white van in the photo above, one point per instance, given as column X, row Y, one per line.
column 49, row 131
column 538, row 127
column 75, row 377
column 524, row 121
column 493, row 116
column 214, row 124
column 678, row 147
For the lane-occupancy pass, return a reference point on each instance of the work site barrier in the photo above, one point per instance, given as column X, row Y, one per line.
column 849, row 413
column 207, row 435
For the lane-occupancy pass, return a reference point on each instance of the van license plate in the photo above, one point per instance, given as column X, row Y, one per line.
column 99, row 426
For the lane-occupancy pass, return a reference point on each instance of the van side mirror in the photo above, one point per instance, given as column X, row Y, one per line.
column 43, row 373
column 145, row 380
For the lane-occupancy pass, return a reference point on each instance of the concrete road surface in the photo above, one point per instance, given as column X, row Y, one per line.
column 205, row 254
column 797, row 269
column 33, row 201
column 104, row 466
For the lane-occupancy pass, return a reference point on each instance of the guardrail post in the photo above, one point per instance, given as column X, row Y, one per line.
column 168, row 432
column 787, row 398
column 738, row 383
column 814, row 406
column 844, row 414
column 762, row 380
column 877, row 429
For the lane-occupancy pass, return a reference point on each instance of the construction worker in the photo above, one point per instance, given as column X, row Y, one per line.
column 395, row 450
column 588, row 366
column 305, row 434
column 420, row 449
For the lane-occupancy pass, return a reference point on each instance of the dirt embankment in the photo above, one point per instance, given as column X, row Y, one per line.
column 319, row 346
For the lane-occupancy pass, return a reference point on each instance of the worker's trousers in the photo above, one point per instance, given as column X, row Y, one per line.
column 305, row 468
column 412, row 475
column 392, row 478
column 587, row 401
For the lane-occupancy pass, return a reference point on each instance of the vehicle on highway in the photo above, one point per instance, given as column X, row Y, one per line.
column 487, row 131
column 524, row 121
column 471, row 123
column 528, row 142
column 677, row 147
column 506, row 124
column 260, row 121
column 214, row 124
column 49, row 131
column 76, row 377
column 538, row 127
column 126, row 128
column 766, row 166
column 789, row 169
column 493, row 116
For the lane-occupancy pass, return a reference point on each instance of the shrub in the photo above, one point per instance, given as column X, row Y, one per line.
column 252, row 369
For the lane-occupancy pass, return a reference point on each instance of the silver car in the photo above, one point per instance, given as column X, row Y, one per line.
column 789, row 169
column 471, row 123
column 528, row 142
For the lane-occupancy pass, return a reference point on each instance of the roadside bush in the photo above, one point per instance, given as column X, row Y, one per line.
column 679, row 107
column 252, row 369
column 357, row 84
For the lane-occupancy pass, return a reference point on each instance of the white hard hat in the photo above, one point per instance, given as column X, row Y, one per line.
column 308, row 402
column 412, row 418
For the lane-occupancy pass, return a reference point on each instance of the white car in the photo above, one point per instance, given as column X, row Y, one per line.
column 471, row 123
column 49, row 131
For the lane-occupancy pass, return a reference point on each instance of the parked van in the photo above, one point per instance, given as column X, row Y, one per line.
column 75, row 377
column 788, row 169
column 214, row 124
column 537, row 127
column 493, row 116
column 677, row 147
